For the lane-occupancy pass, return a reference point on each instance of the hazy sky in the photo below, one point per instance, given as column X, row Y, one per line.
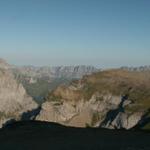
column 103, row 33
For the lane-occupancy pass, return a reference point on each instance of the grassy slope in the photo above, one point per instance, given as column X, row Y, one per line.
column 136, row 85
column 117, row 82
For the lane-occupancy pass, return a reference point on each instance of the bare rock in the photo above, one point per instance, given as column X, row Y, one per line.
column 13, row 98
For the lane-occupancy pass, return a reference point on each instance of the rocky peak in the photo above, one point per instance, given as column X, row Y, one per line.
column 4, row 64
column 13, row 98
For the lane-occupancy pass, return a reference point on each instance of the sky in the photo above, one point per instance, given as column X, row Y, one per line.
column 103, row 33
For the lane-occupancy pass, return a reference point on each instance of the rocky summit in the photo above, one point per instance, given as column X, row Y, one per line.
column 4, row 64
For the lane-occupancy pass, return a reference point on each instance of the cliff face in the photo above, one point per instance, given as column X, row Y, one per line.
column 38, row 81
column 13, row 98
column 95, row 113
column 110, row 99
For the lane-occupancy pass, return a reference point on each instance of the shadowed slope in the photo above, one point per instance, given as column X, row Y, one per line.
column 51, row 136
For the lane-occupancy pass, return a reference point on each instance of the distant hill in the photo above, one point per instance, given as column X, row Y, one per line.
column 141, row 68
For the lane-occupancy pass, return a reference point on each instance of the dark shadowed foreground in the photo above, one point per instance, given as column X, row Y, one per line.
column 51, row 136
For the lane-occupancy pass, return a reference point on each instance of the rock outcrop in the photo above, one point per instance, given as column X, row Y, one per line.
column 111, row 99
column 13, row 98
column 4, row 64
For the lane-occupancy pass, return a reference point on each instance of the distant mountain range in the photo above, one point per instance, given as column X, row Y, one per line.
column 114, row 98
column 55, row 72
column 38, row 81
column 140, row 68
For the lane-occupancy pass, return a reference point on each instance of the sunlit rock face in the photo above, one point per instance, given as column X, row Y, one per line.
column 4, row 64
column 13, row 98
column 92, row 113
column 110, row 99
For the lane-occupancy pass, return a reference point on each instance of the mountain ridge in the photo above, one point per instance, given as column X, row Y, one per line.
column 116, row 98
column 110, row 99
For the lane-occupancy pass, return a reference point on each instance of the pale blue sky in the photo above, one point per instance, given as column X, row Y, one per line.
column 104, row 33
